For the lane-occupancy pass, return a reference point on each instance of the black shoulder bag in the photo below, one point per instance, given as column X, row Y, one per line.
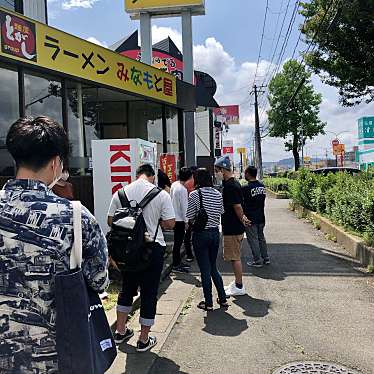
column 201, row 219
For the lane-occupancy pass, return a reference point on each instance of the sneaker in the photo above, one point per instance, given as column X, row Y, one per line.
column 255, row 264
column 190, row 259
column 232, row 290
column 180, row 269
column 120, row 338
column 143, row 347
column 267, row 261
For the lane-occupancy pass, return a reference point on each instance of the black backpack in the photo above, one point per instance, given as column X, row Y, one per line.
column 201, row 218
column 127, row 242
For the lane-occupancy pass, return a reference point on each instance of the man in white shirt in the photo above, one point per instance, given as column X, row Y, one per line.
column 179, row 198
column 159, row 212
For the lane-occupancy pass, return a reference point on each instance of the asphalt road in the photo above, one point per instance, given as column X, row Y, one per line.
column 311, row 303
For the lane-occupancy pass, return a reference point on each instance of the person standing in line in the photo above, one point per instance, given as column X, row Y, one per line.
column 163, row 181
column 206, row 242
column 254, row 194
column 233, row 222
column 190, row 185
column 36, row 240
column 179, row 198
column 159, row 212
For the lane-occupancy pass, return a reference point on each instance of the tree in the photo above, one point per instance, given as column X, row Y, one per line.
column 343, row 33
column 301, row 121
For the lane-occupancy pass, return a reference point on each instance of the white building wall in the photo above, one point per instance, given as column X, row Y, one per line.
column 202, row 133
column 35, row 9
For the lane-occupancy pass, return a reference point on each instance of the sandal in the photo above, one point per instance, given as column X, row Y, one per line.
column 223, row 304
column 203, row 306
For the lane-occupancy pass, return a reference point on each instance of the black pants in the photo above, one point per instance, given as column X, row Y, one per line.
column 187, row 242
column 148, row 280
column 179, row 231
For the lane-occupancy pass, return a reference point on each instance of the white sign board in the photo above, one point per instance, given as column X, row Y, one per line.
column 114, row 163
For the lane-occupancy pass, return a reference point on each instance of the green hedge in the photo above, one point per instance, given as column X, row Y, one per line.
column 345, row 199
column 279, row 185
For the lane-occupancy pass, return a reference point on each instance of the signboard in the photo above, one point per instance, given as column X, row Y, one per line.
column 335, row 142
column 366, row 127
column 37, row 44
column 242, row 150
column 338, row 149
column 161, row 61
column 133, row 6
column 168, row 164
column 228, row 149
column 114, row 163
column 217, row 137
column 228, row 113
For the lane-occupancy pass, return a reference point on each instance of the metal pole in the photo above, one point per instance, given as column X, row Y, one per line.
column 188, row 75
column 302, row 145
column 258, row 138
column 146, row 38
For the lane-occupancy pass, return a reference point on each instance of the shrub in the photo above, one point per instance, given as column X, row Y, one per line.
column 347, row 200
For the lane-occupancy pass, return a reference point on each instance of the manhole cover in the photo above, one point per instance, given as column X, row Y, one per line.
column 314, row 368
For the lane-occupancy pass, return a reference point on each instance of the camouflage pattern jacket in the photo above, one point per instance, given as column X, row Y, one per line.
column 36, row 237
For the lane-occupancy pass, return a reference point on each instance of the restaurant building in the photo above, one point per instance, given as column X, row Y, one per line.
column 94, row 92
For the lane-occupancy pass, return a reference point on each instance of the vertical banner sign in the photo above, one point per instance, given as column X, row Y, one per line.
column 168, row 164
column 217, row 138
column 114, row 163
column 228, row 148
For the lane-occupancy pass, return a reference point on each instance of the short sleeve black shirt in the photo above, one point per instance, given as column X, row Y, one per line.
column 254, row 195
column 232, row 195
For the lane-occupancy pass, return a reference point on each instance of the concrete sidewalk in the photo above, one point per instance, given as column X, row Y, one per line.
column 311, row 303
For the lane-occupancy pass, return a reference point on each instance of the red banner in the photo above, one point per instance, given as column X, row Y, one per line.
column 168, row 164
column 230, row 114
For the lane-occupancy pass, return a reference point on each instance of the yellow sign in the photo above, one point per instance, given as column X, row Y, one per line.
column 34, row 43
column 138, row 5
column 242, row 150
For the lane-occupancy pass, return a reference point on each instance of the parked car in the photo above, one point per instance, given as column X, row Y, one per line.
column 337, row 169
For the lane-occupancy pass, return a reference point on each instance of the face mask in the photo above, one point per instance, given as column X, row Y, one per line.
column 56, row 179
column 219, row 177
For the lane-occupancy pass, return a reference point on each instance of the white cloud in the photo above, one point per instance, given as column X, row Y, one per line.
column 160, row 33
column 92, row 39
column 78, row 4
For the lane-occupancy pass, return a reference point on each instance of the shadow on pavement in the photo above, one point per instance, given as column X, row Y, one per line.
column 163, row 365
column 221, row 323
column 148, row 362
column 297, row 260
column 252, row 307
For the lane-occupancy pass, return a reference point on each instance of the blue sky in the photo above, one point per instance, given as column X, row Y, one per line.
column 226, row 45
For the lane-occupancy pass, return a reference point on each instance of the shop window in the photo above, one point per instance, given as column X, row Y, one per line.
column 172, row 130
column 78, row 163
column 43, row 96
column 145, row 122
column 9, row 113
column 9, row 4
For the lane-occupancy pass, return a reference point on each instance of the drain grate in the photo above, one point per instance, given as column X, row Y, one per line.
column 311, row 367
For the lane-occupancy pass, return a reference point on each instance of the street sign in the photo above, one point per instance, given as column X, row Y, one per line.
column 338, row 149
column 242, row 150
column 335, row 142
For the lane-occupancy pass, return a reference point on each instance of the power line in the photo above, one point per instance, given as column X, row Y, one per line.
column 262, row 40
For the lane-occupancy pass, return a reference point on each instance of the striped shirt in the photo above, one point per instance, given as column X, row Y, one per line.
column 212, row 202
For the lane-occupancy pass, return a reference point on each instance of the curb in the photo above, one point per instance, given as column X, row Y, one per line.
column 353, row 244
column 276, row 195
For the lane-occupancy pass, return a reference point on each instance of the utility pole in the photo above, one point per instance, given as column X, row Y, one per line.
column 258, row 152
